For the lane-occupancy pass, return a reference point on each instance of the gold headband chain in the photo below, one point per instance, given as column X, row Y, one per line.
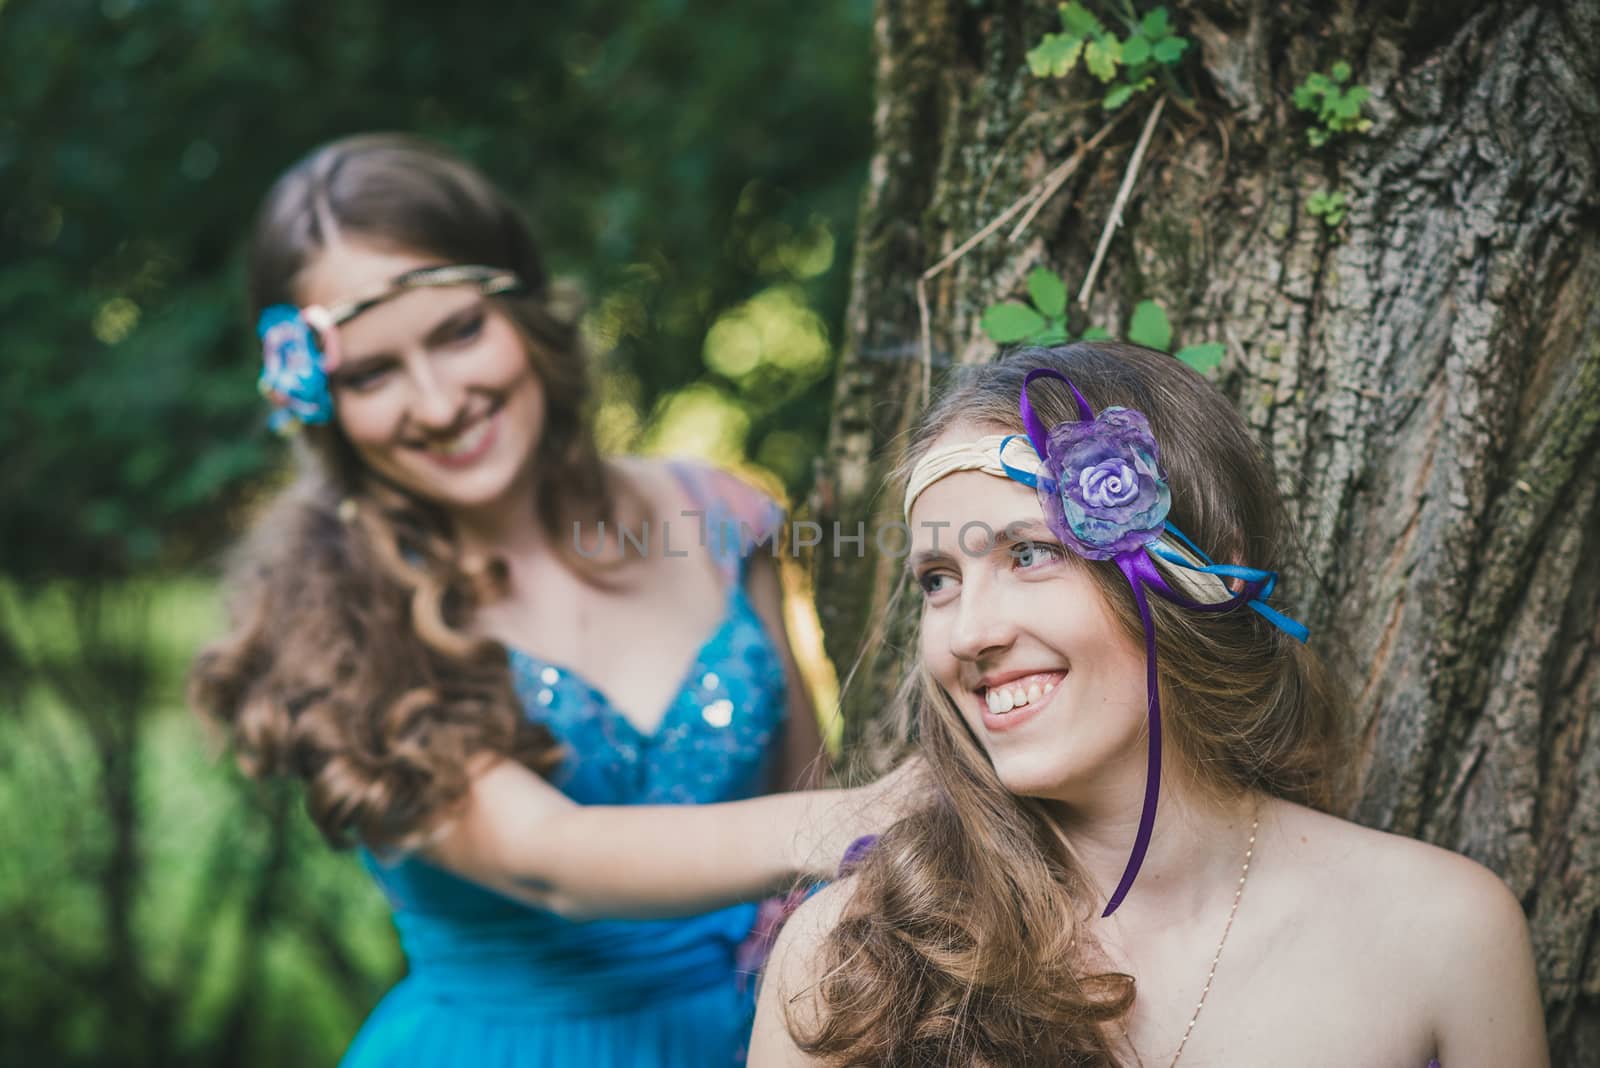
column 491, row 281
column 983, row 454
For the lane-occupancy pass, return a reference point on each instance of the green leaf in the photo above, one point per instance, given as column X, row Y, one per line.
column 1329, row 206
column 1102, row 56
column 1135, row 50
column 1079, row 21
column 1097, row 333
column 1304, row 97
column 1204, row 358
column 1118, row 96
column 1053, row 334
column 1170, row 49
column 1155, row 24
column 1039, row 60
column 1010, row 322
column 1348, row 107
column 1317, row 136
column 1055, row 56
column 1048, row 291
column 1149, row 326
column 1340, row 72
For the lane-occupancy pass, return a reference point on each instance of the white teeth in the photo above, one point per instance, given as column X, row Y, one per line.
column 463, row 443
column 1004, row 699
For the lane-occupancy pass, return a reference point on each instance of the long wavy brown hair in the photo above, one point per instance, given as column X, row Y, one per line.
column 350, row 661
column 964, row 941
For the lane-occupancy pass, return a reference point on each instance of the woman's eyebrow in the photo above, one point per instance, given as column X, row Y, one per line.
column 350, row 367
column 924, row 557
column 1023, row 530
column 948, row 543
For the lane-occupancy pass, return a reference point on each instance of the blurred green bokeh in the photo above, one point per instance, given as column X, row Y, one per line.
column 686, row 161
column 695, row 165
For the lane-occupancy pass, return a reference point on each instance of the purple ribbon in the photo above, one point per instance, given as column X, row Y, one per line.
column 1138, row 566
column 1140, row 572
column 1030, row 422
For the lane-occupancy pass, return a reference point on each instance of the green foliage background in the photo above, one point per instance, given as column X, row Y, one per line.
column 679, row 158
column 696, row 165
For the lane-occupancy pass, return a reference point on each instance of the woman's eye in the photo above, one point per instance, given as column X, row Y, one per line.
column 933, row 582
column 1036, row 553
column 468, row 328
column 363, row 381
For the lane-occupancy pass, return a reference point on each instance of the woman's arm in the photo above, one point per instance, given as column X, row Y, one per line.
column 1488, row 1005
column 517, row 834
column 803, row 763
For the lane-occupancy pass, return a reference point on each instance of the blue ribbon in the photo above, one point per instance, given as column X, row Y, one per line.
column 1259, row 584
column 1017, row 474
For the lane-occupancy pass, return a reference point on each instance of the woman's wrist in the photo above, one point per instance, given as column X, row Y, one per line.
column 815, row 821
column 821, row 825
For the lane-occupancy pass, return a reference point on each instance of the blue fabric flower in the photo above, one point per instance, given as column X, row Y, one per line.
column 293, row 369
column 1107, row 493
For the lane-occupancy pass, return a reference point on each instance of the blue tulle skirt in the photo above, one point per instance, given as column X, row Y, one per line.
column 414, row 1025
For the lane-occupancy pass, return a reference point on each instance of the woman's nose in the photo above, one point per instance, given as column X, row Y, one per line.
column 983, row 623
column 435, row 402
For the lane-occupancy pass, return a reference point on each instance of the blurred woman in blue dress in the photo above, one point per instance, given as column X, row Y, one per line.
column 441, row 630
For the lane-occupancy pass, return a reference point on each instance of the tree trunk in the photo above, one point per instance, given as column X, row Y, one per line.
column 1426, row 375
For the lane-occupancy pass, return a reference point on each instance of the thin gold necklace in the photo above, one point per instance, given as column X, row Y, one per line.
column 1212, row 974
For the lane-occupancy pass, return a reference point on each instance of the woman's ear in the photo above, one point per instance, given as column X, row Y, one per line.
column 1231, row 555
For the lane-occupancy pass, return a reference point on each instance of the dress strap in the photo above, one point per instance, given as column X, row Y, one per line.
column 739, row 519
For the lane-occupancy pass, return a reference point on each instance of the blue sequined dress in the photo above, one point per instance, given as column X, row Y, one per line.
column 495, row 983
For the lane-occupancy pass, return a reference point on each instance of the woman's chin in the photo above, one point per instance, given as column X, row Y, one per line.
column 476, row 490
column 1034, row 778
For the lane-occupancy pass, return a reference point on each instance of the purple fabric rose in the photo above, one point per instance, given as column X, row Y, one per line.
column 1107, row 493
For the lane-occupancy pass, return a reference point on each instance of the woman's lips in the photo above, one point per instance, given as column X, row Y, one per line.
column 466, row 448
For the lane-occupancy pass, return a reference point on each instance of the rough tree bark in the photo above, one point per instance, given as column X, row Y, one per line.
column 1426, row 377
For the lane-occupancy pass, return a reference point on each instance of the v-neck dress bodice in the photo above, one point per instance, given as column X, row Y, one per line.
column 494, row 982
column 714, row 742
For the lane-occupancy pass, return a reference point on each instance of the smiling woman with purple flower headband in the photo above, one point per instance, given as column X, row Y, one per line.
column 1131, row 856
column 522, row 725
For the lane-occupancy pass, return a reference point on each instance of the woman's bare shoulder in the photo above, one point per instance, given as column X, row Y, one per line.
column 1427, row 903
column 1354, row 861
column 790, row 999
column 800, row 941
